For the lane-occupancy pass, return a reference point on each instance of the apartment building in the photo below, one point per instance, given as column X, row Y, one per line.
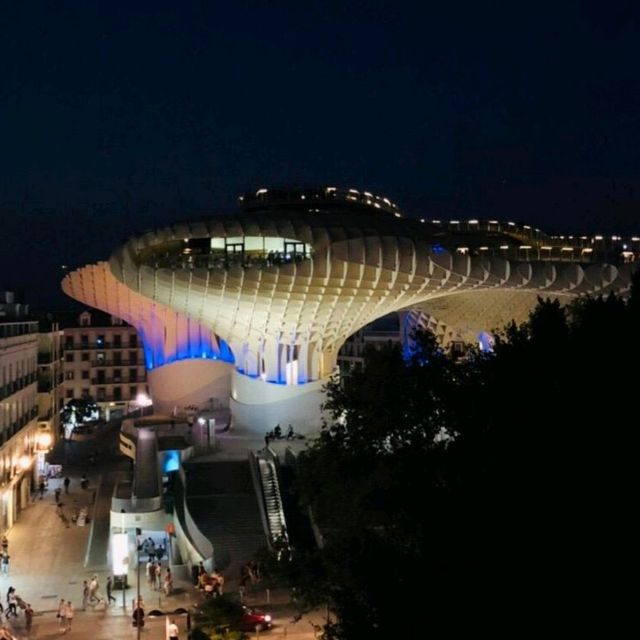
column 50, row 379
column 21, row 448
column 103, row 357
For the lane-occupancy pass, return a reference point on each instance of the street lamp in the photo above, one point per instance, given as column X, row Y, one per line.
column 139, row 619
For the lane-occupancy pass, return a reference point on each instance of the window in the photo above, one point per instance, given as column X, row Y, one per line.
column 117, row 393
column 68, row 356
column 133, row 375
column 117, row 375
column 68, row 375
column 100, row 341
column 133, row 340
column 117, row 358
column 101, row 394
column 101, row 378
column 117, row 341
column 69, row 393
column 85, row 375
column 68, row 342
column 133, row 391
column 84, row 340
column 133, row 357
column 101, row 358
column 85, row 356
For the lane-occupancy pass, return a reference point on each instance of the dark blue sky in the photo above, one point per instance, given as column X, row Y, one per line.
column 116, row 117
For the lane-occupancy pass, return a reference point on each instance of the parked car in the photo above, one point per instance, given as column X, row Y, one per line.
column 253, row 618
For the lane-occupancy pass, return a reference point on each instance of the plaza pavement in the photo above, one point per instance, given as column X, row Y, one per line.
column 50, row 560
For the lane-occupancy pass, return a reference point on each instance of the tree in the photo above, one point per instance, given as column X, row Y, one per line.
column 77, row 411
column 219, row 616
column 490, row 481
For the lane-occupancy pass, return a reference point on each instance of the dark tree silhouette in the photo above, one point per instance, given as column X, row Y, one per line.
column 483, row 492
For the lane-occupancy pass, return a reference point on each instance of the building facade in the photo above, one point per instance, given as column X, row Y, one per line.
column 103, row 358
column 50, row 380
column 19, row 442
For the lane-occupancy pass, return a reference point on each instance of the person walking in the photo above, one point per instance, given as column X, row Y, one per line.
column 28, row 618
column 173, row 631
column 57, row 494
column 62, row 615
column 151, row 573
column 168, row 583
column 12, row 602
column 69, row 616
column 66, row 482
column 41, row 487
column 85, row 595
column 94, row 593
column 109, row 589
column 4, row 563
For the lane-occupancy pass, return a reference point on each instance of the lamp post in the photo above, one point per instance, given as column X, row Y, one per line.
column 124, row 584
column 137, row 609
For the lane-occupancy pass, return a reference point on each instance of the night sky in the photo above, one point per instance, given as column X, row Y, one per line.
column 117, row 117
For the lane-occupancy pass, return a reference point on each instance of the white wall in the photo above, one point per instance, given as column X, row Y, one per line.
column 257, row 406
column 189, row 382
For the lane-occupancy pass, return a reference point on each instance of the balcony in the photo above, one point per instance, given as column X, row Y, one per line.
column 13, row 329
column 16, row 385
column 93, row 346
column 122, row 380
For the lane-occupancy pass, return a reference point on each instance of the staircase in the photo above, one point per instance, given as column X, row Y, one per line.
column 223, row 504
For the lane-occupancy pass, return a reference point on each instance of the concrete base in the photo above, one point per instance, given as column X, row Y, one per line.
column 200, row 383
column 258, row 406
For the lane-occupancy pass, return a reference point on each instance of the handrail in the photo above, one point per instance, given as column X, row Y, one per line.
column 257, row 487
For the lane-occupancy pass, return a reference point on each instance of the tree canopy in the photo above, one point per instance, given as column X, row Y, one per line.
column 454, row 492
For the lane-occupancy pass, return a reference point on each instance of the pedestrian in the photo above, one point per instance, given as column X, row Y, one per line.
column 93, row 590
column 5, row 634
column 168, row 583
column 244, row 575
column 158, row 577
column 5, row 544
column 66, row 482
column 12, row 603
column 4, row 563
column 138, row 615
column 28, row 618
column 41, row 488
column 62, row 615
column 109, row 588
column 84, row 481
column 172, row 631
column 56, row 494
column 85, row 595
column 69, row 617
column 151, row 573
